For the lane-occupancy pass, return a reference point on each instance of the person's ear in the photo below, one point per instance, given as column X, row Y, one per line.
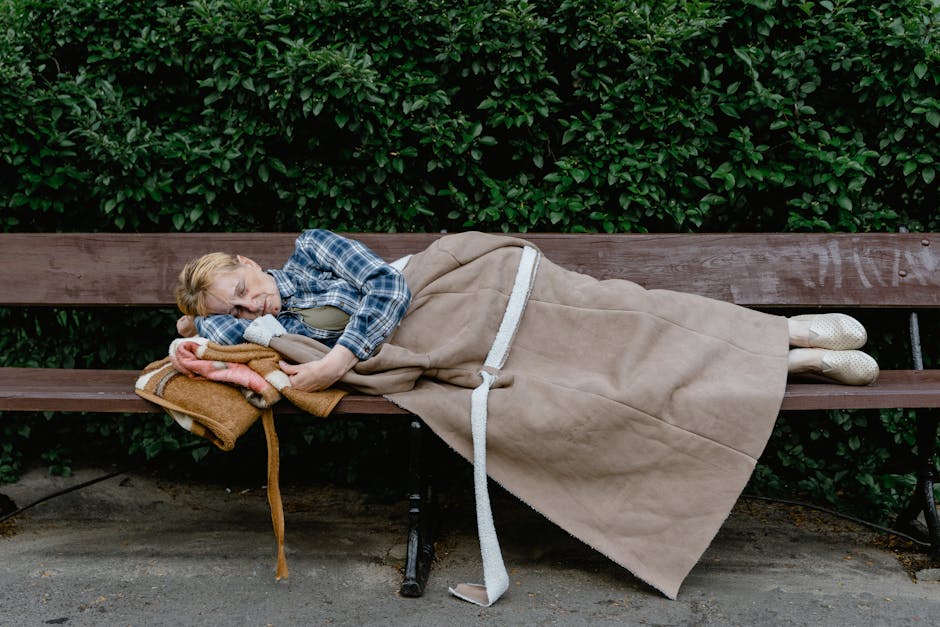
column 251, row 263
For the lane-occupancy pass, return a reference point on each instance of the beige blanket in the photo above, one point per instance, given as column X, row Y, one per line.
column 631, row 418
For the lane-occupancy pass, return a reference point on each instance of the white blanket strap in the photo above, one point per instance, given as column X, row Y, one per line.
column 495, row 577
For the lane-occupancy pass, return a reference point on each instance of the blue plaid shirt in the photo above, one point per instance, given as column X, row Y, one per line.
column 328, row 269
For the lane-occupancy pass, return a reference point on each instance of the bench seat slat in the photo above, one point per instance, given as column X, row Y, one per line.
column 894, row 388
column 54, row 389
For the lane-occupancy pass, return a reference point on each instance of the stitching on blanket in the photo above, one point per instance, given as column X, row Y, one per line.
column 580, row 391
column 651, row 315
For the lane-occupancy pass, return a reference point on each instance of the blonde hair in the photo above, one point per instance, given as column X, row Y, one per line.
column 195, row 279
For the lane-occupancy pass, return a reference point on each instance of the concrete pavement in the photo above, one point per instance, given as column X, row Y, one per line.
column 142, row 549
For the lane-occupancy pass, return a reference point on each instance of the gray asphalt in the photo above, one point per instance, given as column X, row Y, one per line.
column 144, row 550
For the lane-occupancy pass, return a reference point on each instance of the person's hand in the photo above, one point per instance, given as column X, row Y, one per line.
column 178, row 364
column 314, row 376
column 186, row 326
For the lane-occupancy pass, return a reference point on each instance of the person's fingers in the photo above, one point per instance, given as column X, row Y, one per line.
column 179, row 366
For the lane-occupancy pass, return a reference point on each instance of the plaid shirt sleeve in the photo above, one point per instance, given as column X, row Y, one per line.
column 228, row 330
column 383, row 295
column 221, row 329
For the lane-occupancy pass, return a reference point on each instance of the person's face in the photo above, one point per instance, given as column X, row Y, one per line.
column 247, row 292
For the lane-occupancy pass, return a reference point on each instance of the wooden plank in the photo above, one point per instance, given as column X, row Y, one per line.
column 760, row 270
column 768, row 270
column 110, row 391
column 103, row 269
column 52, row 389
column 894, row 388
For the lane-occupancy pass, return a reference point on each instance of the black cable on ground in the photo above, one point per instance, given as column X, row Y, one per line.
column 85, row 484
column 63, row 491
column 832, row 512
column 754, row 497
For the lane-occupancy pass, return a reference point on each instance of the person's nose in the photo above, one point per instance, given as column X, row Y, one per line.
column 250, row 306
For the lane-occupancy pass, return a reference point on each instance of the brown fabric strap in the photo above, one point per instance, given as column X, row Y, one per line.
column 274, row 491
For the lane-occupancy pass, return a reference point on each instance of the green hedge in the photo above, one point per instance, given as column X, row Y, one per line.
column 583, row 115
column 550, row 115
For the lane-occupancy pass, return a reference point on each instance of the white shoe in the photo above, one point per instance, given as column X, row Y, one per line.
column 833, row 331
column 849, row 367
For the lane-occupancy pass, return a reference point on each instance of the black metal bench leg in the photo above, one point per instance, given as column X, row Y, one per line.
column 420, row 542
column 927, row 431
column 923, row 499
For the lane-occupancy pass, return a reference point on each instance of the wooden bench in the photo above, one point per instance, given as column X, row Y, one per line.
column 791, row 271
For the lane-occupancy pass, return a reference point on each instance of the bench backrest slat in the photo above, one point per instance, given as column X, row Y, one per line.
column 761, row 270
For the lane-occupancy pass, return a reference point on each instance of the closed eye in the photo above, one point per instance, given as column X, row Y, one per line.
column 237, row 310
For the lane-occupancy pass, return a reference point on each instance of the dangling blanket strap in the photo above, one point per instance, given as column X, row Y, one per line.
column 274, row 491
column 495, row 577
